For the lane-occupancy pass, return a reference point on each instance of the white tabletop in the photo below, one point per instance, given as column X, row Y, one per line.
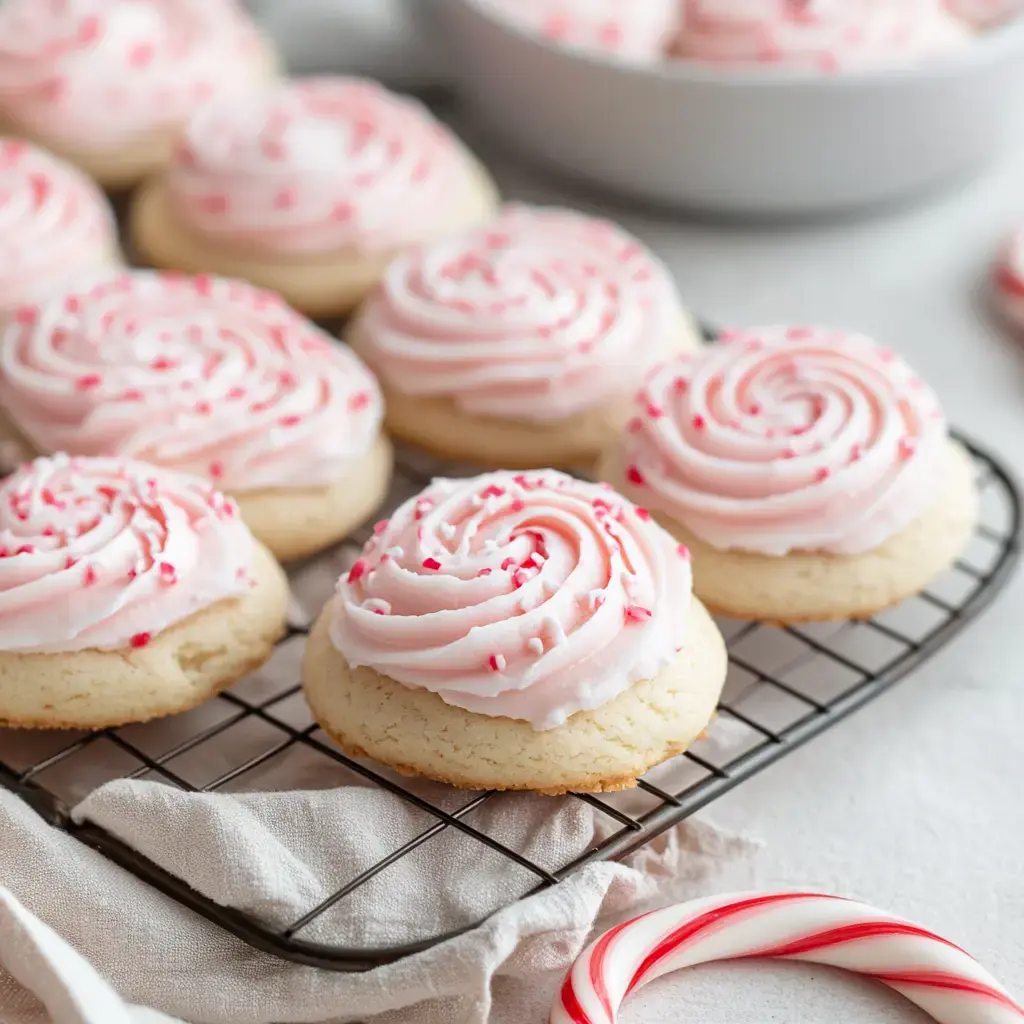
column 913, row 804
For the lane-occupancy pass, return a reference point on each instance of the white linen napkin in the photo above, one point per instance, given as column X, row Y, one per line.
column 276, row 855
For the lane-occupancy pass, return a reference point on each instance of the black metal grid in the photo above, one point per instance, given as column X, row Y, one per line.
column 785, row 686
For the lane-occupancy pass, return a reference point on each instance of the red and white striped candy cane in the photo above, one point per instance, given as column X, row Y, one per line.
column 930, row 971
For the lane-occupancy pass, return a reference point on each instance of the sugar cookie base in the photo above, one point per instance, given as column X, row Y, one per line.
column 295, row 522
column 417, row 733
column 127, row 164
column 438, row 425
column 815, row 586
column 319, row 285
column 179, row 669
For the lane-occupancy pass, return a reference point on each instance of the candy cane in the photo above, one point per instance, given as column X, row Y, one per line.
column 930, row 971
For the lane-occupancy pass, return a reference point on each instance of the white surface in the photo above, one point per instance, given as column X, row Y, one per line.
column 743, row 140
column 914, row 804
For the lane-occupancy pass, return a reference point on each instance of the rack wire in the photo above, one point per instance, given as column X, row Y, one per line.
column 785, row 686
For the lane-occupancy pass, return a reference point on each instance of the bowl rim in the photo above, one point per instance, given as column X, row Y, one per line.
column 992, row 46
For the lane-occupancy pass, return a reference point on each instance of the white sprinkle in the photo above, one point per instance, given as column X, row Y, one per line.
column 536, row 645
column 528, row 603
column 395, row 552
column 375, row 604
column 596, row 598
column 490, row 545
column 447, row 530
column 476, row 501
column 500, row 662
column 370, row 577
column 554, row 630
column 538, row 558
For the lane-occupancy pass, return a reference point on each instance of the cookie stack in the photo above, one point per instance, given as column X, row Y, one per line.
column 186, row 428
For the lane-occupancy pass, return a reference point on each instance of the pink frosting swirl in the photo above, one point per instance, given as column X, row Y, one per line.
column 97, row 553
column 531, row 596
column 984, row 14
column 785, row 439
column 319, row 165
column 54, row 224
column 637, row 31
column 827, row 35
column 540, row 315
column 98, row 74
column 200, row 374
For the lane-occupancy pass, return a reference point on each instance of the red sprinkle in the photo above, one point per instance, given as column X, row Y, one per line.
column 89, row 380
column 358, row 570
column 26, row 315
column 823, row 473
column 431, row 563
column 907, row 447
column 360, row 400
column 203, row 408
column 131, row 395
column 754, row 410
column 379, row 528
column 635, row 613
column 70, row 563
column 855, row 453
column 699, row 423
column 216, row 469
column 492, row 491
column 141, row 54
column 289, row 421
column 683, row 551
column 89, row 578
column 517, row 505
column 642, row 514
column 634, row 425
column 25, row 549
column 497, row 662
column 484, row 572
column 789, row 453
column 162, row 363
column 236, row 392
column 141, row 639
column 507, row 564
column 634, row 476
column 654, row 411
column 168, row 572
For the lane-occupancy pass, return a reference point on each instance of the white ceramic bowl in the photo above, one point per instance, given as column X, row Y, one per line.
column 759, row 141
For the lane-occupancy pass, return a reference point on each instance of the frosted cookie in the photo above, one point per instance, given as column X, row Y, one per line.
column 520, row 343
column 108, row 84
column 310, row 188
column 210, row 377
column 825, row 35
column 809, row 471
column 55, row 225
column 126, row 593
column 637, row 32
column 517, row 631
column 1009, row 281
column 986, row 14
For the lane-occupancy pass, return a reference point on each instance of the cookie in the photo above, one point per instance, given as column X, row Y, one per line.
column 836, row 35
column 986, row 14
column 636, row 33
column 55, row 225
column 1008, row 281
column 809, row 471
column 209, row 377
column 108, row 84
column 310, row 188
column 520, row 343
column 517, row 631
column 127, row 593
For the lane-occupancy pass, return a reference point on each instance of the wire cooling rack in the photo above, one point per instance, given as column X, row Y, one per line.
column 784, row 687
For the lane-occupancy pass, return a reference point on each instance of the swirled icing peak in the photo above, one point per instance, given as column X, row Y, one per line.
column 542, row 314
column 203, row 375
column 98, row 74
column 826, row 35
column 104, row 554
column 54, row 224
column 636, row 31
column 318, row 165
column 788, row 438
column 529, row 595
